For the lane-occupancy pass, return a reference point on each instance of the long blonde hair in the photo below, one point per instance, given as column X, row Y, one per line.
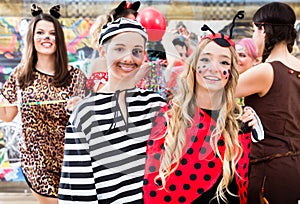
column 182, row 112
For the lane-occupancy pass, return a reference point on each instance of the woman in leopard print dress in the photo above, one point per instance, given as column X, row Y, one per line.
column 42, row 85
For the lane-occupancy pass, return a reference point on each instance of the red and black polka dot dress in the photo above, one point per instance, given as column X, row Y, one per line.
column 95, row 79
column 199, row 169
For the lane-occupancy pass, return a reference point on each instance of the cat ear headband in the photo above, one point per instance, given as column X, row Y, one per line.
column 54, row 11
column 220, row 38
column 128, row 5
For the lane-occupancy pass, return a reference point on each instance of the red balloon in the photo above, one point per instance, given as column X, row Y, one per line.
column 154, row 22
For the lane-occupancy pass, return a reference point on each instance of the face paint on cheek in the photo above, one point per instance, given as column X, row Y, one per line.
column 40, row 38
column 199, row 69
column 226, row 73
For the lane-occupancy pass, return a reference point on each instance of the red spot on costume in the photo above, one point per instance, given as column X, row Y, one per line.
column 199, row 167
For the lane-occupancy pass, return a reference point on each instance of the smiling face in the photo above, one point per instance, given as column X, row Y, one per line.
column 125, row 54
column 44, row 38
column 245, row 61
column 213, row 68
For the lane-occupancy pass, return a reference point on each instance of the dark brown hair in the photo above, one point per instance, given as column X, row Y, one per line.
column 278, row 20
column 30, row 59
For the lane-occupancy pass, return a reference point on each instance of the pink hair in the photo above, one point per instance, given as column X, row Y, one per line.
column 249, row 45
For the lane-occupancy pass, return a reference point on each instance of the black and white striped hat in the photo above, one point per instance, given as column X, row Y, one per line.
column 119, row 26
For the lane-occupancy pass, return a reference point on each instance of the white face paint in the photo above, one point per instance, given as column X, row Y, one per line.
column 44, row 37
column 213, row 67
column 125, row 54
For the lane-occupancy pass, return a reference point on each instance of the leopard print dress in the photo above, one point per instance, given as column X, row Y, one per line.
column 42, row 142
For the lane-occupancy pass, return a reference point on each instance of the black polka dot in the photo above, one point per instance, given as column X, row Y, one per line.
column 207, row 177
column 183, row 161
column 150, row 142
column 216, row 155
column 197, row 166
column 190, row 151
column 181, row 199
column 172, row 187
column 152, row 193
column 186, row 186
column 167, row 198
column 245, row 166
column 221, row 143
column 165, row 123
column 178, row 173
column 194, row 138
column 152, row 169
column 158, row 182
column 156, row 156
column 160, row 114
column 200, row 190
column 162, row 147
column 203, row 150
column 200, row 125
column 207, row 138
column 193, row 177
column 211, row 164
column 145, row 181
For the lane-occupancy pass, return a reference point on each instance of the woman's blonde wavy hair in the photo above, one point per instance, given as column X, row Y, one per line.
column 182, row 112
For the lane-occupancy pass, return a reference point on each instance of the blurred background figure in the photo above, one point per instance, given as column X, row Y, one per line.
column 181, row 47
column 247, row 54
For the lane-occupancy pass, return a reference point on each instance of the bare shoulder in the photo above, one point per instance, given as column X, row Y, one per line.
column 259, row 72
column 256, row 80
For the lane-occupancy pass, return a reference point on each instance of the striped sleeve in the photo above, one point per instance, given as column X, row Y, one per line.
column 77, row 184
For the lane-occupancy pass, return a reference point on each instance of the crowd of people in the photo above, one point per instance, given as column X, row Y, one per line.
column 108, row 138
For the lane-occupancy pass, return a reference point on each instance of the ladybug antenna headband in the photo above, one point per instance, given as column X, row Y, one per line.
column 54, row 11
column 239, row 15
column 220, row 38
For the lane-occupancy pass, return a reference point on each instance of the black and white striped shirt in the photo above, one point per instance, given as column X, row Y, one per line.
column 104, row 156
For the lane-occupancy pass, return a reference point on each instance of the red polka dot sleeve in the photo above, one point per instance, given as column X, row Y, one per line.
column 95, row 79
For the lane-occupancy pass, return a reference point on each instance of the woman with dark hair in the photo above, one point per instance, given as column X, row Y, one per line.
column 272, row 88
column 41, row 85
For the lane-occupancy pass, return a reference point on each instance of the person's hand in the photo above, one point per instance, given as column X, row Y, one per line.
column 72, row 103
column 248, row 116
column 143, row 71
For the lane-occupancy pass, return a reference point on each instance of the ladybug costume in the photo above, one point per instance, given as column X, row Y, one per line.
column 199, row 170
